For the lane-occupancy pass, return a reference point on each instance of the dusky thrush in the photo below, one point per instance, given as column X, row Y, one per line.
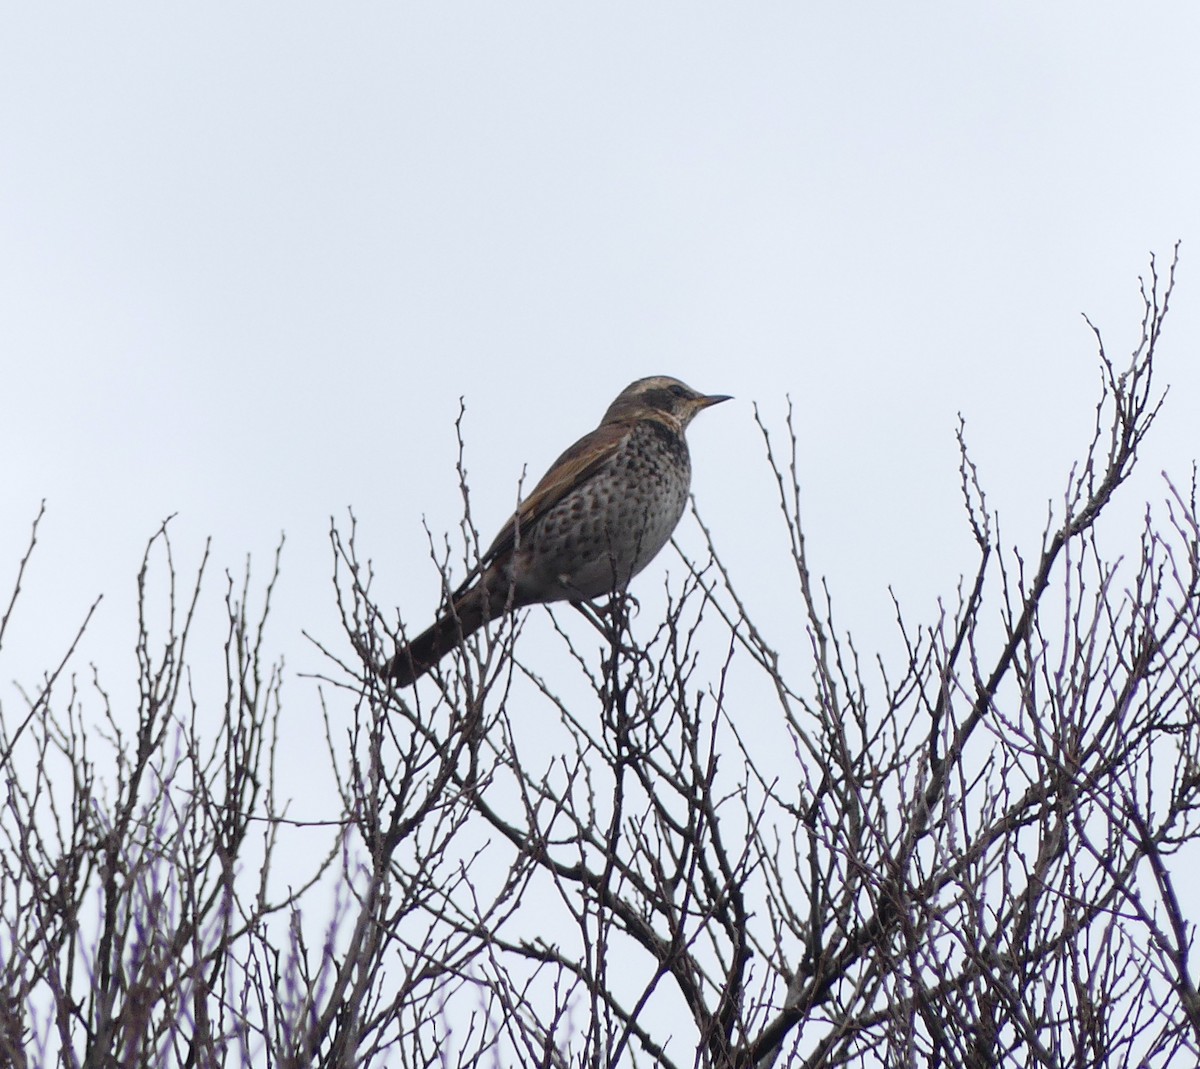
column 596, row 519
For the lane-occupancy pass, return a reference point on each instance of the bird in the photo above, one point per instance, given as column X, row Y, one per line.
column 594, row 520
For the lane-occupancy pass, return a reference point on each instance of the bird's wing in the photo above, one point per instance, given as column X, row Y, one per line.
column 570, row 471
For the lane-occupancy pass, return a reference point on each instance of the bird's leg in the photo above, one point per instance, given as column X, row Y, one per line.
column 592, row 616
column 622, row 602
column 612, row 621
column 617, row 611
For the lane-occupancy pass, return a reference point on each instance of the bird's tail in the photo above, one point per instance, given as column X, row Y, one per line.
column 466, row 615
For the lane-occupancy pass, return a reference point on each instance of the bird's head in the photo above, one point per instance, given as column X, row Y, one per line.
column 662, row 398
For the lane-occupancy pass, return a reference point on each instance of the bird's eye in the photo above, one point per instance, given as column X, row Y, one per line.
column 679, row 391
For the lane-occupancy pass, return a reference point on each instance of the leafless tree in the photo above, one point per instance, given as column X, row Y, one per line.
column 703, row 845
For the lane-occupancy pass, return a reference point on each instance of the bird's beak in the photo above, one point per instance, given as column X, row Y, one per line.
column 702, row 403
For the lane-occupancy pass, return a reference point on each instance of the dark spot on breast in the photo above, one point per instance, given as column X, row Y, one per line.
column 664, row 436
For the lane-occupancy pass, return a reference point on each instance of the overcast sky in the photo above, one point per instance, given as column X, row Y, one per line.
column 251, row 256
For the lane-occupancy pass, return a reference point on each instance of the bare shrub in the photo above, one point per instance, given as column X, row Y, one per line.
column 676, row 853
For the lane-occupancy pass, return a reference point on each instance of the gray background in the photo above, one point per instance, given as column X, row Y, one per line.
column 251, row 256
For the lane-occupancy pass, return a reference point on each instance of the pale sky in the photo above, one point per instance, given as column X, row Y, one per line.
column 251, row 256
